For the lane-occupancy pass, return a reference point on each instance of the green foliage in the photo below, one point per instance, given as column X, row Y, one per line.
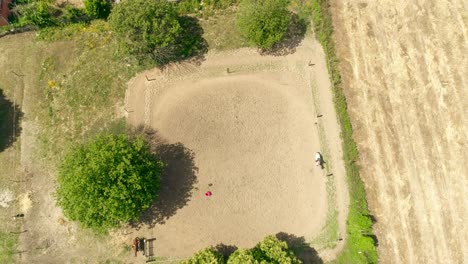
column 72, row 14
column 270, row 250
column 273, row 250
column 242, row 256
column 108, row 181
column 360, row 246
column 98, row 8
column 263, row 22
column 147, row 29
column 38, row 13
column 43, row 14
column 205, row 256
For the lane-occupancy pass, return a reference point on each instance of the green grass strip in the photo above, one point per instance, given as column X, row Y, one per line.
column 360, row 246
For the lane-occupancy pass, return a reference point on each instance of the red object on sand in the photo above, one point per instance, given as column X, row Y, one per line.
column 208, row 194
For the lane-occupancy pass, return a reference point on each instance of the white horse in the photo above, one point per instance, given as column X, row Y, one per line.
column 318, row 159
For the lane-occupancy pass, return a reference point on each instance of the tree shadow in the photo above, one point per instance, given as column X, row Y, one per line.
column 295, row 34
column 10, row 119
column 177, row 180
column 189, row 46
column 301, row 249
column 192, row 45
column 371, row 217
column 225, row 250
column 374, row 238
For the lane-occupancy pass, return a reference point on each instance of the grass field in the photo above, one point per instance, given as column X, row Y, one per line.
column 72, row 85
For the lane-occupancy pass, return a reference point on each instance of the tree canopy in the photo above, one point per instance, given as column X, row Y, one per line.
column 273, row 250
column 205, row 256
column 270, row 250
column 242, row 256
column 108, row 181
column 37, row 13
column 263, row 22
column 152, row 29
column 98, row 8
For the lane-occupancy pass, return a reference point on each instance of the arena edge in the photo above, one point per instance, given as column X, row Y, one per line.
column 361, row 244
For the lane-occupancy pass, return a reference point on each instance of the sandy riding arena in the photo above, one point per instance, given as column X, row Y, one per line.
column 249, row 125
column 405, row 66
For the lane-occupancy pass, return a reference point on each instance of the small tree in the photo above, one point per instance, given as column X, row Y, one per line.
column 205, row 256
column 98, row 8
column 108, row 181
column 273, row 250
column 147, row 28
column 38, row 13
column 263, row 22
column 242, row 256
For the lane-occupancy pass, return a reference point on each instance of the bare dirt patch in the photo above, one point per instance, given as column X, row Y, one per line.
column 250, row 122
column 405, row 69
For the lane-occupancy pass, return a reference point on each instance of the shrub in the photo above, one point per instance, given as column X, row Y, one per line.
column 108, row 181
column 242, row 256
column 205, row 256
column 147, row 29
column 98, row 8
column 263, row 22
column 273, row 250
column 72, row 14
column 40, row 14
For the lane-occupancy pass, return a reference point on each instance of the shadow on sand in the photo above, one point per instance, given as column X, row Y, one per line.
column 225, row 250
column 177, row 180
column 10, row 119
column 301, row 249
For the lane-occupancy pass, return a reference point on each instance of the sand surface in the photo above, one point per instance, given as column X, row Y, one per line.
column 405, row 68
column 253, row 136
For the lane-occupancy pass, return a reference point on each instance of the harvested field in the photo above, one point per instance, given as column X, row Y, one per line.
column 405, row 68
column 249, row 124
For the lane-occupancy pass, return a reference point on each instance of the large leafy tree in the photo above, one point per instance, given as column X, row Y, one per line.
column 270, row 250
column 242, row 256
column 263, row 22
column 273, row 250
column 108, row 181
column 148, row 29
column 205, row 256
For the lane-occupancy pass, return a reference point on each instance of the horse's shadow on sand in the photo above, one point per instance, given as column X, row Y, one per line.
column 177, row 180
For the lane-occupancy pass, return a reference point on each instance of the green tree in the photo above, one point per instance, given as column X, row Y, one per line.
column 108, row 181
column 147, row 29
column 273, row 250
column 205, row 256
column 263, row 22
column 38, row 13
column 242, row 256
column 98, row 8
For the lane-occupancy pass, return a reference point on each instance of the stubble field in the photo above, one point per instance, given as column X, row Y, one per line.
column 405, row 69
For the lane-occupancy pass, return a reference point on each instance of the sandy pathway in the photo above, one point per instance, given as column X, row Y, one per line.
column 405, row 71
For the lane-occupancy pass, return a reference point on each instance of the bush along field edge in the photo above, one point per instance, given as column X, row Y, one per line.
column 361, row 244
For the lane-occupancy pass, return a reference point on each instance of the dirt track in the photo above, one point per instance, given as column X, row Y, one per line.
column 405, row 69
